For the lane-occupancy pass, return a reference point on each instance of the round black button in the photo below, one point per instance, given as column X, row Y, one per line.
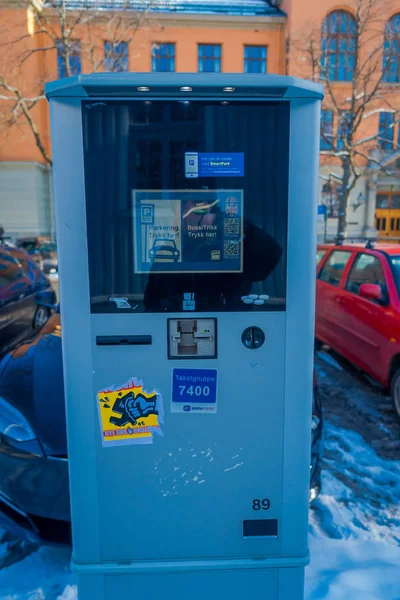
column 253, row 338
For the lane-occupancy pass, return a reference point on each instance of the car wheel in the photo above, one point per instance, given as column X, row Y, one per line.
column 41, row 317
column 395, row 392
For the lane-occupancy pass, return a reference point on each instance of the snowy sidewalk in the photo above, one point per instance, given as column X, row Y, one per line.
column 355, row 524
column 352, row 570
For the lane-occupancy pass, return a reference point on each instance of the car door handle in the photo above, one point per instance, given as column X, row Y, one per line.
column 339, row 300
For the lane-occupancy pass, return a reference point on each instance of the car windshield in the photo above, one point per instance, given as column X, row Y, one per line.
column 28, row 246
column 395, row 261
column 48, row 247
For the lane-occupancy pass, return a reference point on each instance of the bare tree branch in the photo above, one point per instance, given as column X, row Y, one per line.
column 367, row 93
column 26, row 55
column 19, row 39
column 12, row 99
column 370, row 159
column 21, row 105
column 55, row 28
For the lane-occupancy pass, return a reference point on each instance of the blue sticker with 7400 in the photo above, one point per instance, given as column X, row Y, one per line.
column 194, row 390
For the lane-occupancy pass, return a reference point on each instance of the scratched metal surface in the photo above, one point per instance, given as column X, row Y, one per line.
column 208, row 468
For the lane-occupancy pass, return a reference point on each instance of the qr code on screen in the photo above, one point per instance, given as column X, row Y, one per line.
column 231, row 250
column 232, row 226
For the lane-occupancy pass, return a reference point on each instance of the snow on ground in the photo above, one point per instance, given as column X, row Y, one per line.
column 360, row 492
column 354, row 524
column 328, row 358
column 355, row 570
column 43, row 575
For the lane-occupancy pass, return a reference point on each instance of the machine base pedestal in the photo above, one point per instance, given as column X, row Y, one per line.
column 235, row 583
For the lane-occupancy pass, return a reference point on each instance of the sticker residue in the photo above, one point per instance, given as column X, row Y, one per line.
column 129, row 414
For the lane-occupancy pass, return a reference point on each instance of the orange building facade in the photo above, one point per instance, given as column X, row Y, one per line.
column 228, row 32
column 374, row 203
column 199, row 35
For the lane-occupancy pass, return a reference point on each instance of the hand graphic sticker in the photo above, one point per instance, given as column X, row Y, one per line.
column 132, row 407
column 129, row 414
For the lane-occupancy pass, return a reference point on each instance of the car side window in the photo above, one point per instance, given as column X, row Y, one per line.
column 320, row 255
column 332, row 270
column 367, row 268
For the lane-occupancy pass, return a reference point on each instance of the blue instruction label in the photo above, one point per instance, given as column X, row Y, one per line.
column 210, row 164
column 194, row 390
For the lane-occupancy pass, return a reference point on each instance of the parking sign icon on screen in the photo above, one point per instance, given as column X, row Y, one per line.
column 191, row 164
column 147, row 214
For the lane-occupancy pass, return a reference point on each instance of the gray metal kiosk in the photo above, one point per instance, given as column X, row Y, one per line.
column 186, row 229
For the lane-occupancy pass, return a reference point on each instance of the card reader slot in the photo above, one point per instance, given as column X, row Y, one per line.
column 123, row 340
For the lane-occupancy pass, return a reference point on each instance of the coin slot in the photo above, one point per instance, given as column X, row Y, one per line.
column 253, row 338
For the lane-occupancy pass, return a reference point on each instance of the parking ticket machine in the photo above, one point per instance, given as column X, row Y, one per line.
column 186, row 211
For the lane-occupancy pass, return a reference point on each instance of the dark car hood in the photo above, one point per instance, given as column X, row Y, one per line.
column 32, row 379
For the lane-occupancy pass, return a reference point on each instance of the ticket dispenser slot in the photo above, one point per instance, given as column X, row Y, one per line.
column 192, row 338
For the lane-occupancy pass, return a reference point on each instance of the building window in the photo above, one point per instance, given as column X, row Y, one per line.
column 330, row 197
column 326, row 142
column 163, row 58
column 343, row 130
column 391, row 51
column 116, row 56
column 386, row 130
column 255, row 59
column 338, row 46
column 74, row 58
column 210, row 58
column 389, row 200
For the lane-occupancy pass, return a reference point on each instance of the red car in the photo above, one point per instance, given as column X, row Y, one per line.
column 358, row 309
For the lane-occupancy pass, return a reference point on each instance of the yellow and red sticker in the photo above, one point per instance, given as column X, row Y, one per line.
column 129, row 414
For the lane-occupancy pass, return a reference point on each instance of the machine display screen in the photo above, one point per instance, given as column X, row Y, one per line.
column 188, row 231
column 186, row 204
